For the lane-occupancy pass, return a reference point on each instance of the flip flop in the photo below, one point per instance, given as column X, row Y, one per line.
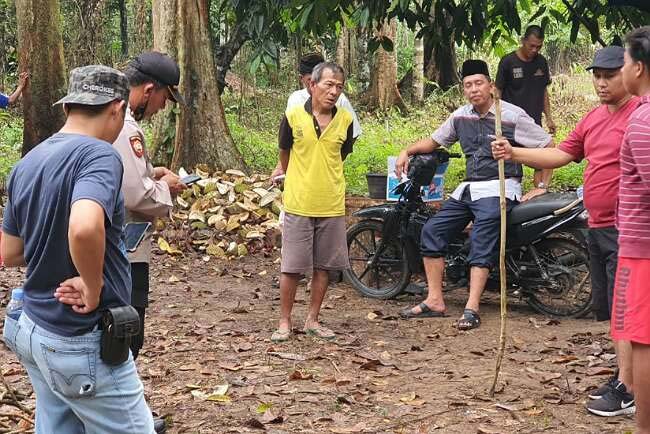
column 470, row 320
column 280, row 335
column 320, row 332
column 426, row 312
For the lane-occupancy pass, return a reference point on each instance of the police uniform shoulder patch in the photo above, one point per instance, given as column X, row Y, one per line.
column 136, row 145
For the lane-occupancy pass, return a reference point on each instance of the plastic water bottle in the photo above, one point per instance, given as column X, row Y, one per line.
column 579, row 192
column 15, row 306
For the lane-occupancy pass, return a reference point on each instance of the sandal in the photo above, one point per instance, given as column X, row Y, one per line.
column 426, row 312
column 320, row 332
column 470, row 320
column 281, row 335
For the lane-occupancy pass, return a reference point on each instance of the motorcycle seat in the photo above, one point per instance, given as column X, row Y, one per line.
column 539, row 206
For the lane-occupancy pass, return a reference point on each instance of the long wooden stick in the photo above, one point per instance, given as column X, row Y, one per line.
column 502, row 252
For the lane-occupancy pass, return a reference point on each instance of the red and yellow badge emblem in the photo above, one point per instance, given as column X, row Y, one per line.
column 136, row 145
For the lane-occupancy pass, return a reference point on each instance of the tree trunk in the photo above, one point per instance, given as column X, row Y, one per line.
column 124, row 28
column 383, row 92
column 87, row 42
column 344, row 50
column 202, row 134
column 363, row 58
column 418, row 72
column 163, row 23
column 141, row 32
column 225, row 54
column 41, row 53
column 297, row 43
column 440, row 55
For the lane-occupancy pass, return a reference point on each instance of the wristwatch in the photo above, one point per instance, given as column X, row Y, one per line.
column 542, row 185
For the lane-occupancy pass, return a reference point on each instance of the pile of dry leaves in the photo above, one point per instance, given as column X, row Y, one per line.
column 225, row 214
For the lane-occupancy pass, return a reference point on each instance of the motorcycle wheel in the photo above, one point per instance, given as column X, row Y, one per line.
column 567, row 292
column 388, row 276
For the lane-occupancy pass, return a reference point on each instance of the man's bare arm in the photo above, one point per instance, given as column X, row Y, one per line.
column 284, row 159
column 423, row 146
column 550, row 123
column 87, row 239
column 12, row 250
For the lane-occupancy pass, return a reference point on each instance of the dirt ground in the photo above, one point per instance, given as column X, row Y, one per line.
column 209, row 325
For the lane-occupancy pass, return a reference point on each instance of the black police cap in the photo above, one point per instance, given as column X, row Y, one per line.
column 161, row 68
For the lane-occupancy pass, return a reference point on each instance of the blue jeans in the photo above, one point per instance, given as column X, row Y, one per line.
column 452, row 219
column 76, row 392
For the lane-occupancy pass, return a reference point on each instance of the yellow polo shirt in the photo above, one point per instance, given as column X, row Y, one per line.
column 314, row 184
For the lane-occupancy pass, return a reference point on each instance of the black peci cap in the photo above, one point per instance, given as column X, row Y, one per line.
column 161, row 68
column 474, row 66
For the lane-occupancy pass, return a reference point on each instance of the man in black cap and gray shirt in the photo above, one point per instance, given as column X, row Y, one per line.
column 148, row 190
column 64, row 220
column 476, row 199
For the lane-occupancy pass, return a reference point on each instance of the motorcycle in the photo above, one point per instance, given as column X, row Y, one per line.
column 547, row 262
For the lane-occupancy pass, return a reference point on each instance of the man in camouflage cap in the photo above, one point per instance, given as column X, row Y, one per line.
column 63, row 220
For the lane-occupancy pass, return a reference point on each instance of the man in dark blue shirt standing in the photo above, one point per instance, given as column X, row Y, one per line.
column 63, row 220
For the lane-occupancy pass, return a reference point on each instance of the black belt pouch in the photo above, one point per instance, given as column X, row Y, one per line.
column 119, row 324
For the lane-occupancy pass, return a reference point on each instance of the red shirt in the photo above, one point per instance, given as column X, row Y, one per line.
column 633, row 216
column 598, row 137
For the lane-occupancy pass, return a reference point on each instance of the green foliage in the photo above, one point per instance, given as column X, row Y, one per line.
column 255, row 132
column 259, row 148
column 11, row 140
column 405, row 50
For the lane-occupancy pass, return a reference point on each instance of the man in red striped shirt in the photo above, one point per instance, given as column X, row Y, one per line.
column 631, row 312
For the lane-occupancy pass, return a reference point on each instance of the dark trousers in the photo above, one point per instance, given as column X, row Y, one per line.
column 603, row 258
column 453, row 218
column 139, row 300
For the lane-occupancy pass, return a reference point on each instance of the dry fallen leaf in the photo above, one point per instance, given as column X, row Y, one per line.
column 358, row 428
column 255, row 424
column 271, row 416
column 167, row 248
column 287, row 356
column 219, row 394
column 299, row 375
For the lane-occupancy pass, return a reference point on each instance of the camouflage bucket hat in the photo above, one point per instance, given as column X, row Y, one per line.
column 95, row 85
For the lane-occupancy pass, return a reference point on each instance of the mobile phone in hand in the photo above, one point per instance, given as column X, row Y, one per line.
column 134, row 233
column 190, row 179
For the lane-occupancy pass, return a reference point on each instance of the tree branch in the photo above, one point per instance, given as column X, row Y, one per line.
column 584, row 22
column 225, row 53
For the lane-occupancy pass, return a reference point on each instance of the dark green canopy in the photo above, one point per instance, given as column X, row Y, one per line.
column 644, row 5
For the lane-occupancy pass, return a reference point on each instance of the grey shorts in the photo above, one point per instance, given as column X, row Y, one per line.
column 310, row 243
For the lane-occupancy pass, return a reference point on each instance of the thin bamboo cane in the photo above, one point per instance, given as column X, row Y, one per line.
column 502, row 252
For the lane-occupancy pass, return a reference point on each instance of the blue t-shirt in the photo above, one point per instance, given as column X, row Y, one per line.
column 4, row 101
column 41, row 190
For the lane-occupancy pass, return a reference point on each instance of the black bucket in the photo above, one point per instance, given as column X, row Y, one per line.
column 376, row 185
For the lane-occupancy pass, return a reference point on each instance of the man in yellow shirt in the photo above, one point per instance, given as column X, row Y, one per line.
column 314, row 140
